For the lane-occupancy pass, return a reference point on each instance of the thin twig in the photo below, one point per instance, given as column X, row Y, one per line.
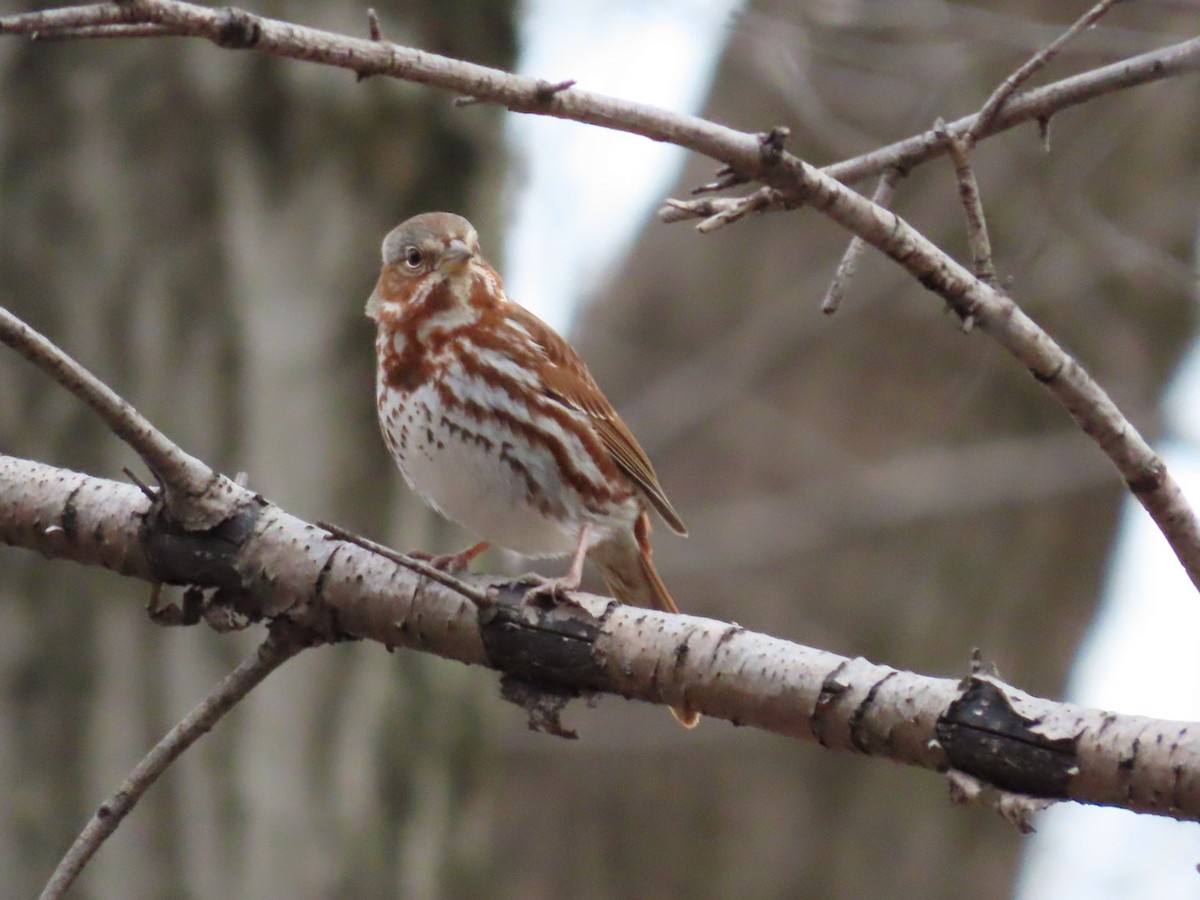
column 1008, row 87
column 1037, row 105
column 968, row 193
column 727, row 215
column 280, row 645
column 478, row 597
column 1034, row 105
column 177, row 470
column 884, row 192
column 150, row 493
column 39, row 24
column 375, row 32
column 547, row 89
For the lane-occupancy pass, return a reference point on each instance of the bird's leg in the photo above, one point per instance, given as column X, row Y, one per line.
column 452, row 562
column 553, row 587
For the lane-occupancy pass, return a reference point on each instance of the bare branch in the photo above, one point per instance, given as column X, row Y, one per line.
column 1001, row 319
column 1039, row 60
column 1037, row 105
column 884, row 192
column 265, row 563
column 375, row 32
column 193, row 489
column 332, row 590
column 968, row 193
column 280, row 645
column 84, row 32
column 479, row 598
column 717, row 212
column 235, row 29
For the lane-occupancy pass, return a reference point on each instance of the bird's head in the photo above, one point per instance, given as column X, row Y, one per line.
column 432, row 252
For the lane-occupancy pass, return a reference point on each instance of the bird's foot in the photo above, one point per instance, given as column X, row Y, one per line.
column 549, row 593
column 552, row 592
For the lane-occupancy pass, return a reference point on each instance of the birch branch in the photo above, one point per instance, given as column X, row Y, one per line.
column 745, row 157
column 194, row 492
column 286, row 569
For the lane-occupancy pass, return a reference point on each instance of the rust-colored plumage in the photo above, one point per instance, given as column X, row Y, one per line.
column 496, row 422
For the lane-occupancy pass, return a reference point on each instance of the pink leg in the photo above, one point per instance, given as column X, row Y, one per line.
column 574, row 576
column 569, row 582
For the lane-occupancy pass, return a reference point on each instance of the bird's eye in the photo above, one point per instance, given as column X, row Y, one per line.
column 413, row 257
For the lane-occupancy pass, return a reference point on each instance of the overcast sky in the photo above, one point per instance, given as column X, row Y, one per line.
column 585, row 191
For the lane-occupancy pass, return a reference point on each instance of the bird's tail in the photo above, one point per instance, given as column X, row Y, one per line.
column 631, row 577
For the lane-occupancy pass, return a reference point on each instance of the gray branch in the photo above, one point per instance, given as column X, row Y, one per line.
column 274, row 566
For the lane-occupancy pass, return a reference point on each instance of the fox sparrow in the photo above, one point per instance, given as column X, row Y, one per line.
column 497, row 424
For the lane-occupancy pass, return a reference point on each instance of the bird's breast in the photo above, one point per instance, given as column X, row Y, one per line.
column 478, row 440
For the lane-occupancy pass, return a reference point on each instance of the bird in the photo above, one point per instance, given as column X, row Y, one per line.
column 496, row 423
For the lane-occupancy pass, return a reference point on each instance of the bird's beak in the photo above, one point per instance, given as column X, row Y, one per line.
column 373, row 304
column 455, row 257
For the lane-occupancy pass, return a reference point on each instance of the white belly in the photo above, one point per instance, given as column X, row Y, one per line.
column 464, row 475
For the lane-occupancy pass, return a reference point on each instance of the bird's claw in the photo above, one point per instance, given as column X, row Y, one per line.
column 549, row 593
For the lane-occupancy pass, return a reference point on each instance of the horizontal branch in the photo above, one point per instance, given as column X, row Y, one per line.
column 280, row 567
column 233, row 28
column 239, row 30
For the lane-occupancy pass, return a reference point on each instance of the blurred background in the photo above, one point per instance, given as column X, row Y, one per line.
column 201, row 229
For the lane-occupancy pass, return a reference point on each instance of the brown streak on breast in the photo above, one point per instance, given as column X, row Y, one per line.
column 413, row 366
column 617, row 488
column 406, row 371
column 438, row 300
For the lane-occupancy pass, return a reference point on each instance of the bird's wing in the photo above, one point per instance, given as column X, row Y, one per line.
column 568, row 380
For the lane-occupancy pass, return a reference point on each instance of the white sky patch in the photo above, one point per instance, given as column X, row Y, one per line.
column 585, row 190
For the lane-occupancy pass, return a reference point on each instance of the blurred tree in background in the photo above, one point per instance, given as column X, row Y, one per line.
column 201, row 229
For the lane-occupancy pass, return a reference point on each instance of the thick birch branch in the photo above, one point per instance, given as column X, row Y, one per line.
column 265, row 563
